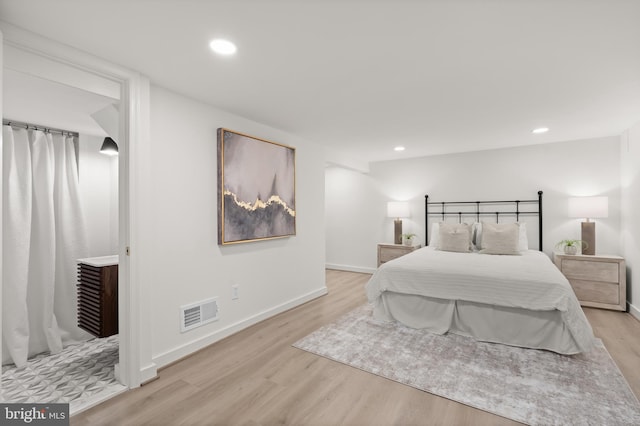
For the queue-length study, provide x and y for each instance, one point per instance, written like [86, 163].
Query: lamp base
[397, 231]
[589, 237]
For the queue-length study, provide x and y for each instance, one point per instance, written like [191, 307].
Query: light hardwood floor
[256, 377]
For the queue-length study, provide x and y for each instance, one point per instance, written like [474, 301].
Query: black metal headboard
[469, 205]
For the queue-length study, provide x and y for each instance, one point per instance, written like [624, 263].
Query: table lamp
[589, 208]
[397, 210]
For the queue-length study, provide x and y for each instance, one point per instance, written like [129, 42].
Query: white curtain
[43, 235]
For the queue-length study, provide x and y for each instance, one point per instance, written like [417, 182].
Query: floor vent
[197, 314]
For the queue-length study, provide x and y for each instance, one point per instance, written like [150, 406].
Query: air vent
[197, 314]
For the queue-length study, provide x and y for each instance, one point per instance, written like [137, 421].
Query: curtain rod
[22, 125]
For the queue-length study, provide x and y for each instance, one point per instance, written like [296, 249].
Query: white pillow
[523, 240]
[476, 234]
[434, 240]
[454, 237]
[500, 238]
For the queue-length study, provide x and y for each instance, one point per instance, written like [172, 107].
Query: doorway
[40, 117]
[23, 51]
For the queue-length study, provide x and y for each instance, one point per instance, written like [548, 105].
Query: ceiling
[40, 102]
[364, 76]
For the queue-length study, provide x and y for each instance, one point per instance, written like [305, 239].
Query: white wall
[114, 233]
[355, 219]
[180, 238]
[98, 175]
[1, 171]
[356, 203]
[630, 178]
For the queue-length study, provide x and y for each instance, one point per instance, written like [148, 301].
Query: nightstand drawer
[388, 252]
[590, 271]
[595, 291]
[387, 255]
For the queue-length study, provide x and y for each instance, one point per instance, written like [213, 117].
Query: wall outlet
[234, 292]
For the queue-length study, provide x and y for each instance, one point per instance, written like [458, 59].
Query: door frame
[76, 68]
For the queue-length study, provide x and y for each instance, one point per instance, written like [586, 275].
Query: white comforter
[529, 281]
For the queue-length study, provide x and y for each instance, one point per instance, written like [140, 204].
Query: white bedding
[529, 281]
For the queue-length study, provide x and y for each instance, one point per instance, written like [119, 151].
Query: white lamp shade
[589, 207]
[398, 209]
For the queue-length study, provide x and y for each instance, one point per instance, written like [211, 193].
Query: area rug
[530, 386]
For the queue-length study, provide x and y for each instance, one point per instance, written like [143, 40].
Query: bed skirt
[483, 322]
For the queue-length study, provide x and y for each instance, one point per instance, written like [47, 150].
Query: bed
[519, 299]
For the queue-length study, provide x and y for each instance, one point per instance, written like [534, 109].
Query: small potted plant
[571, 246]
[407, 239]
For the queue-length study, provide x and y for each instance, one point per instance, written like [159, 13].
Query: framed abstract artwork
[256, 188]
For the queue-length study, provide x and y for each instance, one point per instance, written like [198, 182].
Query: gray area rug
[530, 386]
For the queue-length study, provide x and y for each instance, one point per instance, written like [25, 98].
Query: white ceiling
[41, 102]
[363, 76]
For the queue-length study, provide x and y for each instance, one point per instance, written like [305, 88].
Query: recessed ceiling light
[222, 46]
[540, 130]
[399, 148]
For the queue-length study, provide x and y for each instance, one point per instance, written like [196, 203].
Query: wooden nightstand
[387, 252]
[598, 281]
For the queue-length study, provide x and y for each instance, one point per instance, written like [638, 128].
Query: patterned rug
[530, 386]
[78, 372]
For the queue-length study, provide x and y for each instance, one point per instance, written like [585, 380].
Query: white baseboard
[148, 373]
[188, 348]
[633, 310]
[350, 268]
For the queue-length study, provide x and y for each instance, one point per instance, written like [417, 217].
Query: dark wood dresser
[98, 295]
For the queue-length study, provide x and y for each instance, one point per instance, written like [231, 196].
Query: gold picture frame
[256, 188]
